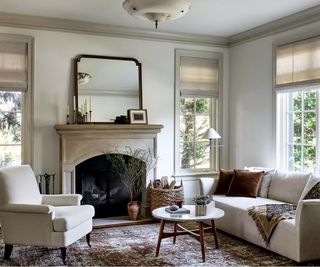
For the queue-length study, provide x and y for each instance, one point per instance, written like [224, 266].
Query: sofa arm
[62, 199]
[207, 185]
[307, 223]
[27, 208]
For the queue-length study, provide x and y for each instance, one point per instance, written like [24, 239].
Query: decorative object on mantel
[133, 173]
[201, 203]
[122, 119]
[157, 10]
[137, 116]
[44, 181]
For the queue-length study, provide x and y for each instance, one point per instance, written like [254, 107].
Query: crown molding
[74, 26]
[299, 19]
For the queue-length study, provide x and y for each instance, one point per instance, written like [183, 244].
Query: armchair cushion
[62, 199]
[71, 216]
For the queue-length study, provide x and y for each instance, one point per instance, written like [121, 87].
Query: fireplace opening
[99, 182]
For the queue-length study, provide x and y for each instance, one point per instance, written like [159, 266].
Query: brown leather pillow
[225, 177]
[245, 183]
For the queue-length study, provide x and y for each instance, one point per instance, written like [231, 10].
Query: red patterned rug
[136, 245]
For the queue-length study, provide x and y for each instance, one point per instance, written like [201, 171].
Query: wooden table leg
[175, 232]
[214, 230]
[160, 236]
[201, 232]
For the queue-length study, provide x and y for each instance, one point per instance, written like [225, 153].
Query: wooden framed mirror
[106, 87]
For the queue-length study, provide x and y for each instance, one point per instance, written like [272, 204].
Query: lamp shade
[157, 10]
[211, 134]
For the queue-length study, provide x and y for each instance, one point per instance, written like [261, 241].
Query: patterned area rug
[136, 245]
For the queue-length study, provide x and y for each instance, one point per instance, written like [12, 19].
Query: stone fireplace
[81, 142]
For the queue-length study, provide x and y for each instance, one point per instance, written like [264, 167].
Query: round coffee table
[198, 234]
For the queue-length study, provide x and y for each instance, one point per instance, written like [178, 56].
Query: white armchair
[29, 218]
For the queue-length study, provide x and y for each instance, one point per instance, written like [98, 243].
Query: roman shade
[199, 77]
[13, 66]
[298, 63]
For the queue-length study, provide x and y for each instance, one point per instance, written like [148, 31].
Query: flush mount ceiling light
[83, 78]
[157, 10]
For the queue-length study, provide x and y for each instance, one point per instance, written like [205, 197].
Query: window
[15, 100]
[297, 86]
[197, 106]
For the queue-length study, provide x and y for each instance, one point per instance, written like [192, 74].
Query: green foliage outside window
[194, 121]
[302, 137]
[10, 128]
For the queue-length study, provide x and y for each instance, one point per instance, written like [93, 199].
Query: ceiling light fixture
[83, 78]
[157, 10]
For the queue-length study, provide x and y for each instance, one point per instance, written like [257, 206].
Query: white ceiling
[209, 17]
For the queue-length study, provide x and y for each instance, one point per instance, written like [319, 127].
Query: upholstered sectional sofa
[298, 238]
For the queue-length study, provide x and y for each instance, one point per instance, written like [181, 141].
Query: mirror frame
[76, 85]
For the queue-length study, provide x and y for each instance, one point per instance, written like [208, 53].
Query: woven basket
[165, 197]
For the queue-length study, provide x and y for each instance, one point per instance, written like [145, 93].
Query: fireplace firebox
[101, 185]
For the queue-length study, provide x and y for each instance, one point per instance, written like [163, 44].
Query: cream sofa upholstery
[297, 239]
[29, 218]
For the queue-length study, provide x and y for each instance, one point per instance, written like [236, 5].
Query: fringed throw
[268, 216]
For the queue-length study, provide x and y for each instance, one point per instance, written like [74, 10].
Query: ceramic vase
[133, 210]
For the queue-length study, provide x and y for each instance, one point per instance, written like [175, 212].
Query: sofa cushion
[266, 179]
[68, 217]
[245, 183]
[225, 177]
[287, 186]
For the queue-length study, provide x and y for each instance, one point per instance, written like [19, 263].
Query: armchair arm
[307, 223]
[62, 199]
[27, 208]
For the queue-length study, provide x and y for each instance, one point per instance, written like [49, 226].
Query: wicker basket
[165, 197]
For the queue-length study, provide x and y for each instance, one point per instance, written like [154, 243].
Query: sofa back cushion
[245, 183]
[287, 186]
[18, 185]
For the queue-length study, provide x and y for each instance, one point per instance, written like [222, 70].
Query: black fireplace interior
[101, 186]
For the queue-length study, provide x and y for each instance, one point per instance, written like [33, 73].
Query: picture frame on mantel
[137, 116]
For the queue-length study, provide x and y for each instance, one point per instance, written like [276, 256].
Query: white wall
[252, 122]
[53, 86]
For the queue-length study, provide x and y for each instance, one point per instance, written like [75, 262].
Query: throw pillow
[266, 179]
[314, 192]
[225, 177]
[311, 183]
[245, 183]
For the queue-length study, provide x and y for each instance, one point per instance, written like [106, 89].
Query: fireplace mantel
[79, 142]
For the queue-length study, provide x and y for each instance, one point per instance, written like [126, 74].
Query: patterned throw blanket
[268, 216]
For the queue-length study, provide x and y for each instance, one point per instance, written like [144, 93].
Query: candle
[68, 110]
[85, 106]
[90, 105]
[74, 103]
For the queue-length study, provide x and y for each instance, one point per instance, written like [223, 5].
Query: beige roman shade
[13, 66]
[298, 63]
[198, 77]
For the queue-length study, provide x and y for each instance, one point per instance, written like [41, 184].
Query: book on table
[178, 211]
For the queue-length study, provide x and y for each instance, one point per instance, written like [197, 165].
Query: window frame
[215, 122]
[27, 111]
[280, 155]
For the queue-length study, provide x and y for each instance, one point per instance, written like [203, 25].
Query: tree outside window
[10, 128]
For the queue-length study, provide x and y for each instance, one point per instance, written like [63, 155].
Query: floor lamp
[212, 134]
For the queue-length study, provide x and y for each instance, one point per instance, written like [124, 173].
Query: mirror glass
[106, 87]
